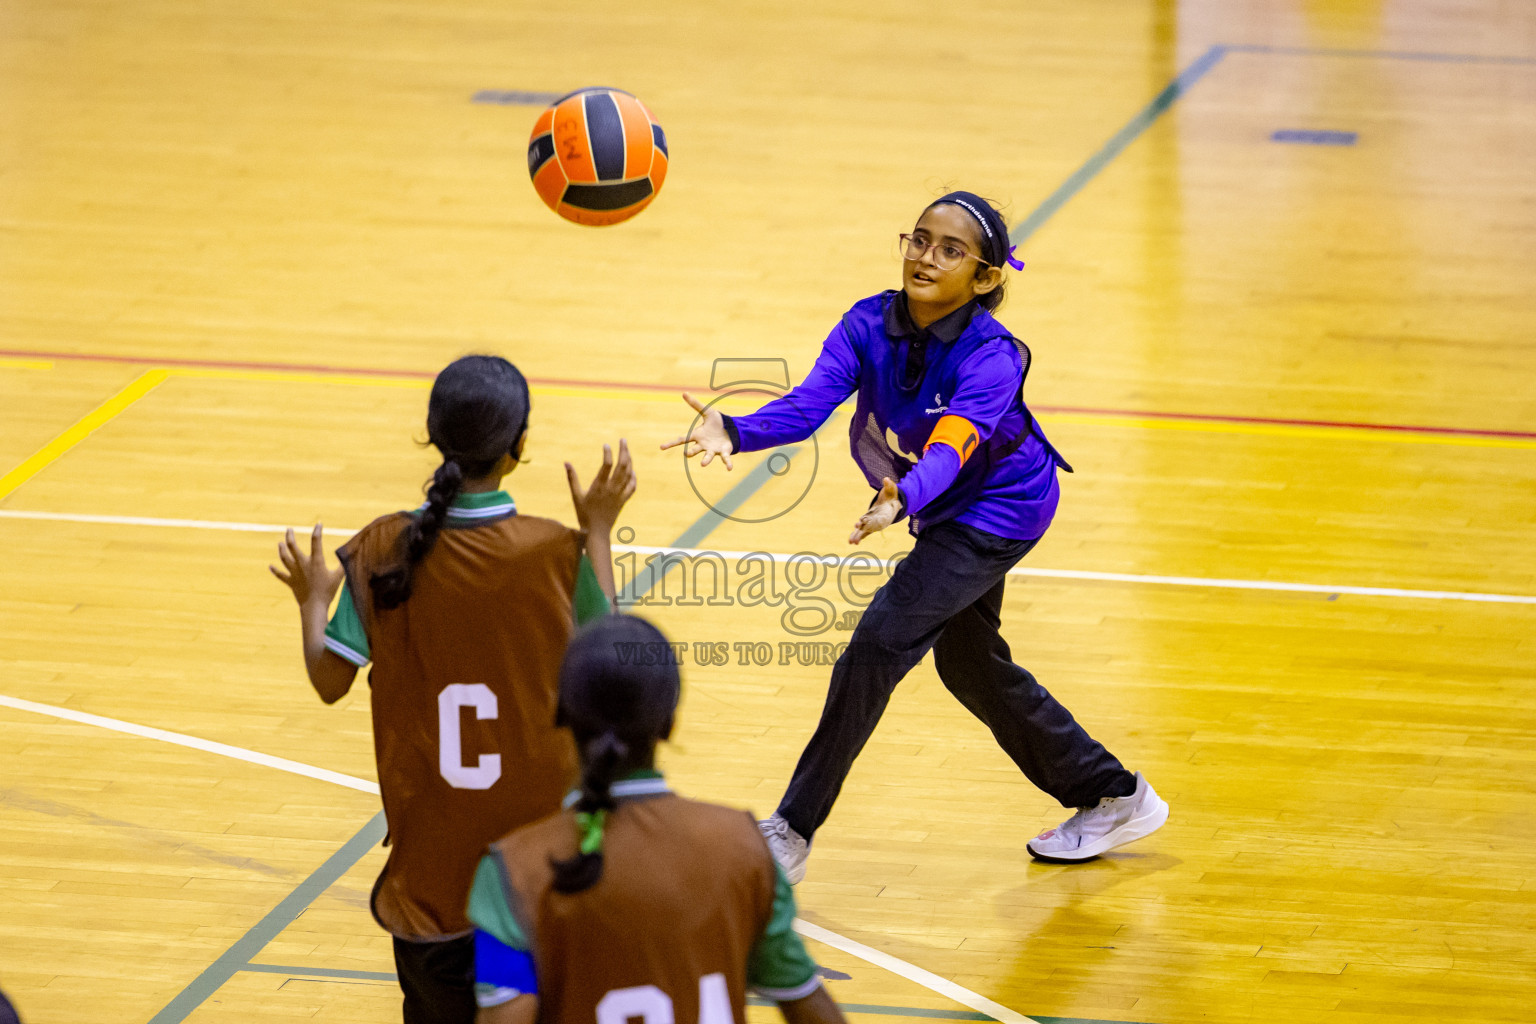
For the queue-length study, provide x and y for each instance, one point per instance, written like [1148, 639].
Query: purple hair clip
[1015, 264]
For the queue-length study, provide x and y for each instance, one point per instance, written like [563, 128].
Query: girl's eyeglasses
[945, 256]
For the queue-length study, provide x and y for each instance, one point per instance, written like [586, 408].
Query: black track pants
[946, 596]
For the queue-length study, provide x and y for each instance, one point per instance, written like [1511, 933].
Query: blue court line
[881, 1009]
[1185, 81]
[236, 957]
[1439, 58]
[515, 97]
[1314, 137]
[1117, 143]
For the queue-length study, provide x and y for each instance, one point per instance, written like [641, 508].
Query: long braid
[617, 709]
[392, 587]
[600, 761]
[476, 416]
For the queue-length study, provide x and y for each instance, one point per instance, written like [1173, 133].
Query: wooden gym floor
[236, 240]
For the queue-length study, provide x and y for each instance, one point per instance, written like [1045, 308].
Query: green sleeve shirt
[346, 638]
[490, 906]
[779, 967]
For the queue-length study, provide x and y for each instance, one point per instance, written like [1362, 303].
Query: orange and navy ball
[597, 156]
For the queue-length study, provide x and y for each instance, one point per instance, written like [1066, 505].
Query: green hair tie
[591, 825]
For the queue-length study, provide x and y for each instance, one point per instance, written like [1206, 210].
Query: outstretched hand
[308, 576]
[598, 506]
[709, 437]
[881, 514]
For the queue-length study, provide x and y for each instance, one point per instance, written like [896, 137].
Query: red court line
[1402, 428]
[215, 364]
[346, 371]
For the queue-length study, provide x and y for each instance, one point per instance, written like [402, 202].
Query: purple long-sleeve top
[1020, 493]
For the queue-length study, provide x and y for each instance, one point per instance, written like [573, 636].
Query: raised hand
[881, 514]
[709, 437]
[310, 579]
[597, 507]
[314, 584]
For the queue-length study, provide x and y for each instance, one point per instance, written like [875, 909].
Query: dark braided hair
[478, 412]
[601, 758]
[619, 687]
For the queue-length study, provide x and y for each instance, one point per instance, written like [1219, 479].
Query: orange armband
[957, 432]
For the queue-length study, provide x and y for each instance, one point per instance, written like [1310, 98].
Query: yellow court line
[26, 364]
[80, 430]
[1128, 420]
[1286, 430]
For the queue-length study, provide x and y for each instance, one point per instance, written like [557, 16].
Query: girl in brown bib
[464, 607]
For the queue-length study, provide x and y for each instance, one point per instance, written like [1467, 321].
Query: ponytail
[392, 587]
[600, 758]
[618, 709]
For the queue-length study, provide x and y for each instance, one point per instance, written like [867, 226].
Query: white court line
[282, 764]
[183, 524]
[1278, 586]
[901, 968]
[1172, 581]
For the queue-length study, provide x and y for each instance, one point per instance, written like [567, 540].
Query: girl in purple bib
[942, 432]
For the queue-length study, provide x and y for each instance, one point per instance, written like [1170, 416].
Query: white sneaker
[787, 847]
[1117, 820]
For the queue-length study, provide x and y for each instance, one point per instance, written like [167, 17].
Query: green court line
[871, 1008]
[702, 527]
[322, 972]
[269, 927]
[238, 957]
[646, 578]
[1117, 143]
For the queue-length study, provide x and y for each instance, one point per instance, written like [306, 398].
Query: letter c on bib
[450, 745]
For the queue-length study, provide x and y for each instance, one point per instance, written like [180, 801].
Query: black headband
[994, 232]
